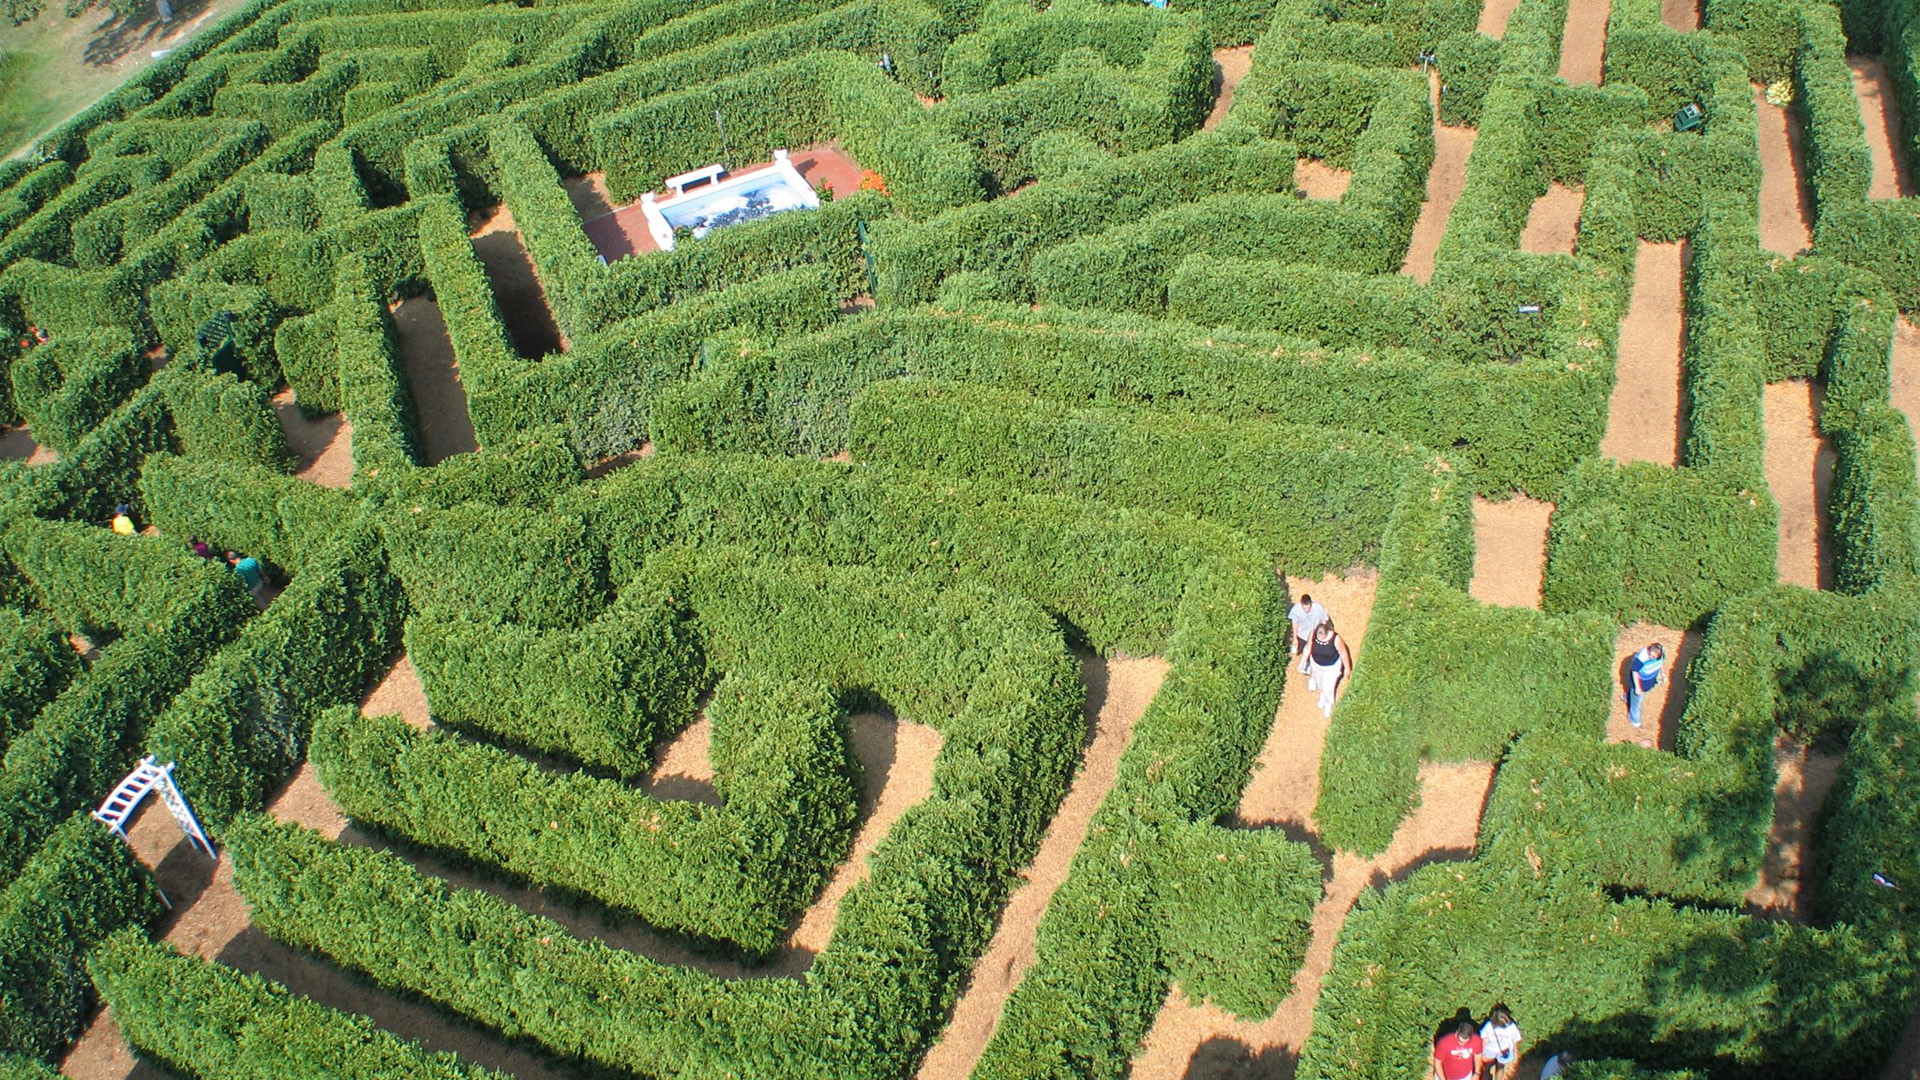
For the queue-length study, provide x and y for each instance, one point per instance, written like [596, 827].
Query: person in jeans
[1328, 661]
[1643, 674]
[1306, 617]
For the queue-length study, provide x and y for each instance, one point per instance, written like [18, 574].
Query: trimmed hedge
[1315, 501]
[1639, 541]
[68, 386]
[603, 695]
[171, 607]
[81, 886]
[166, 1004]
[36, 663]
[240, 728]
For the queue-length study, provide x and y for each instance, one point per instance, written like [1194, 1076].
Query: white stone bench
[685, 180]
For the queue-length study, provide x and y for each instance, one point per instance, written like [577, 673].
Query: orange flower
[873, 181]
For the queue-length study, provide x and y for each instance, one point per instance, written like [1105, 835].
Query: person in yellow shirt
[123, 520]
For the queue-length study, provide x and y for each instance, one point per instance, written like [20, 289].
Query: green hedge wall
[225, 418]
[1315, 501]
[81, 886]
[166, 1004]
[1639, 541]
[1519, 425]
[240, 728]
[911, 259]
[36, 663]
[679, 866]
[515, 565]
[1448, 678]
[171, 607]
[603, 695]
[373, 385]
[1009, 716]
[68, 386]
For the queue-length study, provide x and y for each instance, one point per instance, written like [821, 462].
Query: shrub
[1315, 501]
[240, 728]
[81, 886]
[36, 663]
[69, 385]
[166, 1003]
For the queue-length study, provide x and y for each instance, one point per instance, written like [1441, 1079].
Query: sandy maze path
[1660, 712]
[1118, 693]
[1493, 17]
[1445, 181]
[1681, 15]
[1880, 112]
[1905, 365]
[16, 444]
[1583, 41]
[1192, 1041]
[517, 291]
[1803, 777]
[1509, 551]
[433, 380]
[1318, 180]
[1553, 223]
[1784, 208]
[1229, 67]
[324, 446]
[1644, 414]
[1800, 474]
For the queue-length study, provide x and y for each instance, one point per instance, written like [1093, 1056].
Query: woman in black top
[1328, 662]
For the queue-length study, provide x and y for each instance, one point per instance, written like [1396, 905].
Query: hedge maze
[853, 643]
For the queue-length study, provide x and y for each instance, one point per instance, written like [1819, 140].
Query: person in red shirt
[1458, 1056]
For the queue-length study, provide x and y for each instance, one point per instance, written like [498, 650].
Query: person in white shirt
[1558, 1064]
[1501, 1036]
[1306, 616]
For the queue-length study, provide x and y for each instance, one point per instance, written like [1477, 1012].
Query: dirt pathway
[1203, 1042]
[589, 194]
[433, 378]
[1445, 181]
[1553, 224]
[1509, 551]
[1905, 365]
[1880, 111]
[1118, 693]
[323, 447]
[1229, 67]
[1660, 711]
[1784, 207]
[1644, 421]
[1194, 1041]
[1583, 42]
[1493, 17]
[1681, 15]
[516, 288]
[1800, 474]
[1318, 180]
[1803, 778]
[16, 444]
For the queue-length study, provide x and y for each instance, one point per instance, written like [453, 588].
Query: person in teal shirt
[251, 574]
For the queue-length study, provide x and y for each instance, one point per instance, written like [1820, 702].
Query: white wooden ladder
[147, 777]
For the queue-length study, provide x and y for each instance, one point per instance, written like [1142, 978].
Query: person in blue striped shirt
[1643, 674]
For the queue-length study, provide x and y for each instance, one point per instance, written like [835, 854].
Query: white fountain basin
[773, 189]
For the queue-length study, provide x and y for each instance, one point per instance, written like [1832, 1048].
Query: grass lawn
[54, 66]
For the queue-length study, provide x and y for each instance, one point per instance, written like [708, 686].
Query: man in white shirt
[1306, 616]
